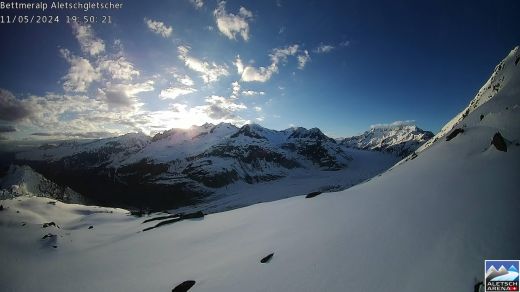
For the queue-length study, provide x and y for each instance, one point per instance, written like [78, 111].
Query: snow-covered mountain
[400, 140]
[24, 181]
[424, 226]
[202, 160]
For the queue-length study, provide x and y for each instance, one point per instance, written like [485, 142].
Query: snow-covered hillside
[398, 139]
[426, 225]
[24, 181]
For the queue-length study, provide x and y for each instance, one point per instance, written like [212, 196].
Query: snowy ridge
[24, 181]
[400, 140]
[502, 75]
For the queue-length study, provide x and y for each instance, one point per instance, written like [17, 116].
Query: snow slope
[426, 225]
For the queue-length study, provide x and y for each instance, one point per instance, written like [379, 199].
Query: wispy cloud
[252, 93]
[303, 59]
[222, 108]
[184, 80]
[124, 95]
[159, 27]
[262, 74]
[119, 68]
[235, 90]
[89, 43]
[174, 92]
[323, 48]
[197, 3]
[231, 24]
[81, 73]
[393, 125]
[344, 44]
[210, 72]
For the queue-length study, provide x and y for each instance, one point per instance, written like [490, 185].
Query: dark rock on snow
[312, 195]
[476, 288]
[499, 142]
[194, 215]
[176, 218]
[49, 235]
[267, 258]
[165, 222]
[184, 286]
[49, 224]
[454, 134]
[1, 207]
[91, 227]
[162, 218]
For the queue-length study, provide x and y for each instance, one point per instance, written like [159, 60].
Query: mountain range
[182, 167]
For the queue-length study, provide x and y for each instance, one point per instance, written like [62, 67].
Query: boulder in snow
[312, 195]
[194, 215]
[499, 142]
[49, 235]
[267, 258]
[184, 286]
[49, 224]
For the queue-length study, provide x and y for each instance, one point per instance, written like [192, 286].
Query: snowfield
[427, 224]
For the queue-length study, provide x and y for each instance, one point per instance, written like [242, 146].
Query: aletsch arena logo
[501, 275]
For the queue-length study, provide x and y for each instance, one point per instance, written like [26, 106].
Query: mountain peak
[399, 139]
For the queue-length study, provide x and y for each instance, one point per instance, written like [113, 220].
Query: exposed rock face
[454, 134]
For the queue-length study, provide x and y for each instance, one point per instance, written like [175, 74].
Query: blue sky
[341, 66]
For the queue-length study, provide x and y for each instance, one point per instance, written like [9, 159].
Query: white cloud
[258, 109]
[174, 92]
[184, 79]
[235, 86]
[123, 95]
[210, 72]
[222, 108]
[89, 43]
[262, 74]
[394, 124]
[159, 27]
[197, 3]
[240, 66]
[322, 49]
[252, 93]
[134, 88]
[81, 73]
[230, 24]
[303, 59]
[119, 68]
